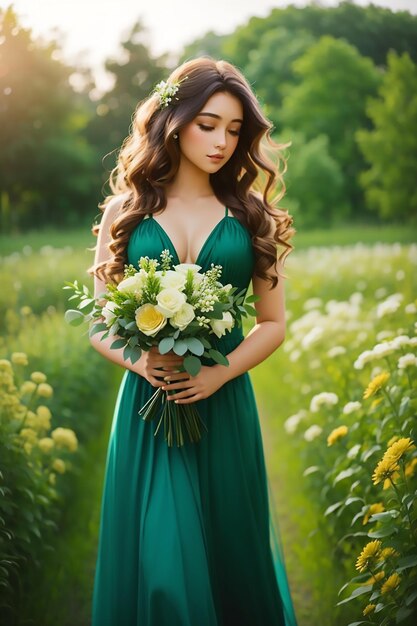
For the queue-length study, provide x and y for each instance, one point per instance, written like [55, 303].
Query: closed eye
[205, 128]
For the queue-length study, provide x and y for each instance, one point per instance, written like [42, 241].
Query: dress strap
[227, 210]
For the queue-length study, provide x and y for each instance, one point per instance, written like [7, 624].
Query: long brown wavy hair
[149, 158]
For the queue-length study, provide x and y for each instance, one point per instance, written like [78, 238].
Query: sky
[91, 30]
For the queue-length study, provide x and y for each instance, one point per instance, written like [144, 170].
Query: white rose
[108, 312]
[173, 280]
[219, 327]
[183, 317]
[184, 267]
[133, 284]
[170, 301]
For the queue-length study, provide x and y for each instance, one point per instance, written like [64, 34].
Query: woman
[184, 537]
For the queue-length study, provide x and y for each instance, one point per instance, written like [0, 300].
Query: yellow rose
[149, 320]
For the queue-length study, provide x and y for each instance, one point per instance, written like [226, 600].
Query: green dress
[188, 536]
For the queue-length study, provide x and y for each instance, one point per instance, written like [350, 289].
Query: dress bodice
[228, 244]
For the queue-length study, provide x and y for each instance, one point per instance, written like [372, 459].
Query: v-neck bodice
[228, 244]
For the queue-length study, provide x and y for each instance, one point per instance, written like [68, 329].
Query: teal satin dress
[187, 534]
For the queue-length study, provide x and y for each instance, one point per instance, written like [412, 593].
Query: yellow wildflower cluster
[387, 468]
[369, 555]
[375, 578]
[368, 609]
[336, 434]
[376, 385]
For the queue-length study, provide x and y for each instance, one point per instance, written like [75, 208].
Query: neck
[190, 182]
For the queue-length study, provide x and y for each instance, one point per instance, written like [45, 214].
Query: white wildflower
[408, 360]
[350, 407]
[336, 351]
[312, 432]
[324, 398]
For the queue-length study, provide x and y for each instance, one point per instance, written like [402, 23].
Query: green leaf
[253, 298]
[406, 562]
[192, 365]
[250, 309]
[135, 354]
[195, 345]
[119, 343]
[97, 328]
[333, 507]
[311, 470]
[87, 303]
[166, 344]
[218, 357]
[385, 531]
[384, 516]
[360, 591]
[127, 352]
[180, 347]
[74, 317]
[345, 474]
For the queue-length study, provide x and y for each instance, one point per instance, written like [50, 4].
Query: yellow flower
[44, 390]
[337, 434]
[369, 555]
[38, 377]
[376, 384]
[375, 579]
[368, 609]
[391, 441]
[384, 470]
[19, 358]
[29, 434]
[27, 446]
[378, 507]
[52, 478]
[388, 483]
[389, 552]
[149, 319]
[391, 583]
[59, 466]
[46, 444]
[410, 468]
[65, 438]
[5, 366]
[398, 448]
[27, 387]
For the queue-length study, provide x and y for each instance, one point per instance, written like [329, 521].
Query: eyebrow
[218, 117]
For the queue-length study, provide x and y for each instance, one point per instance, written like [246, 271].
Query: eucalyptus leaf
[97, 328]
[218, 357]
[252, 298]
[195, 346]
[166, 344]
[180, 347]
[74, 317]
[119, 343]
[192, 365]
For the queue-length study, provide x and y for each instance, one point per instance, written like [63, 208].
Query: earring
[175, 136]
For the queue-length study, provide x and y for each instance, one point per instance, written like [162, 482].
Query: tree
[330, 99]
[391, 146]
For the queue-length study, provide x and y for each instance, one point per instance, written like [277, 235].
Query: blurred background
[338, 81]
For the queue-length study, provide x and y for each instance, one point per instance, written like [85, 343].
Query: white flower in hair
[166, 91]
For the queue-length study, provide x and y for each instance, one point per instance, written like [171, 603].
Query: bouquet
[175, 308]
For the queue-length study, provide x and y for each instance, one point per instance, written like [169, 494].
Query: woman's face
[210, 139]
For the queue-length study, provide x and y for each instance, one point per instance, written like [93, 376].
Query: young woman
[186, 532]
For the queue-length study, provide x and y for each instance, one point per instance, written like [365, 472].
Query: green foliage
[390, 147]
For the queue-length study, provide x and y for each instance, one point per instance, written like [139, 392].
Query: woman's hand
[149, 362]
[194, 388]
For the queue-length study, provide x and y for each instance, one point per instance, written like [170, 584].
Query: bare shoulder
[111, 209]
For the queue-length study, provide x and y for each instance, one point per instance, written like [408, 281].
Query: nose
[220, 140]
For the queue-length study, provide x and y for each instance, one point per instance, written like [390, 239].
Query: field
[347, 291]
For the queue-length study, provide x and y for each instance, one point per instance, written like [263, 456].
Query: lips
[216, 156]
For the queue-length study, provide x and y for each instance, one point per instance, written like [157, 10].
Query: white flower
[413, 341]
[312, 337]
[108, 312]
[390, 305]
[133, 284]
[170, 301]
[411, 308]
[400, 341]
[184, 267]
[312, 432]
[295, 355]
[364, 357]
[173, 280]
[407, 360]
[383, 349]
[324, 398]
[353, 451]
[183, 317]
[312, 303]
[336, 351]
[292, 422]
[350, 407]
[219, 327]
